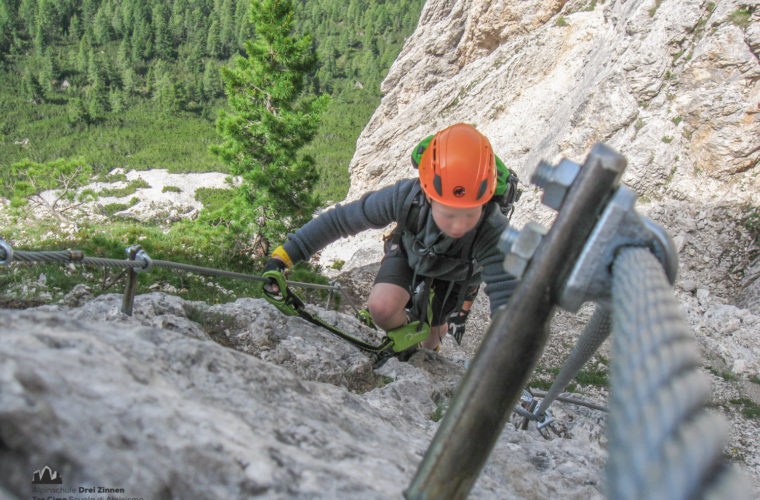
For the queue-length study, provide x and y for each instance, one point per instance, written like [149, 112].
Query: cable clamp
[6, 252]
[76, 256]
[137, 253]
[618, 226]
[544, 420]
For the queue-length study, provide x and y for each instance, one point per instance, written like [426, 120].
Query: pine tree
[94, 68]
[116, 100]
[6, 28]
[194, 60]
[27, 11]
[180, 9]
[214, 40]
[212, 82]
[48, 72]
[227, 29]
[76, 112]
[83, 54]
[33, 88]
[97, 100]
[74, 30]
[130, 80]
[102, 27]
[124, 54]
[268, 121]
[244, 24]
[161, 35]
[47, 20]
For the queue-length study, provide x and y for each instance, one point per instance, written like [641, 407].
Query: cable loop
[6, 252]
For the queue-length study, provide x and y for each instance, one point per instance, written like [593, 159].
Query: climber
[444, 245]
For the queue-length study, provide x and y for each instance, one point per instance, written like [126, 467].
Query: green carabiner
[285, 299]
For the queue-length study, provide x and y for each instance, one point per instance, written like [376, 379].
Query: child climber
[444, 244]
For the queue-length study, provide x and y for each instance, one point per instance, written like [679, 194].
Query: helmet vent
[482, 189]
[437, 185]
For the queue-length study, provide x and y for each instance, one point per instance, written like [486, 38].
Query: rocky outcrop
[673, 85]
[276, 407]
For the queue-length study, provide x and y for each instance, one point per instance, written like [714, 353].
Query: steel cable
[596, 332]
[76, 256]
[662, 442]
[572, 400]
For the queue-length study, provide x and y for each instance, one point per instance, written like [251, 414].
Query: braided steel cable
[73, 256]
[662, 442]
[571, 400]
[76, 256]
[596, 332]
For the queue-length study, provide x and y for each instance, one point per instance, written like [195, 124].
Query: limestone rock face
[153, 405]
[186, 400]
[672, 85]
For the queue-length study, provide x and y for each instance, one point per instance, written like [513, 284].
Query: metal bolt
[542, 174]
[556, 181]
[523, 248]
[507, 239]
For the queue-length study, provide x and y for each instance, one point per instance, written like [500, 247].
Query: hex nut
[507, 238]
[558, 182]
[523, 248]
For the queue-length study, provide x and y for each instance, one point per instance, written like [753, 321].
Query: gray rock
[164, 412]
[78, 295]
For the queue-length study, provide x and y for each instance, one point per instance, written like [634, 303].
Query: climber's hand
[270, 285]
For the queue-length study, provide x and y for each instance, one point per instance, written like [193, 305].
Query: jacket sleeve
[374, 210]
[500, 285]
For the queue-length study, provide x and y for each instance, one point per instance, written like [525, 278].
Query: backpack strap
[471, 259]
[415, 198]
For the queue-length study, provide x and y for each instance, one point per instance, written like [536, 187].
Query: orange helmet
[458, 168]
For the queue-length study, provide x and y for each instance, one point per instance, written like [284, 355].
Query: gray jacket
[430, 252]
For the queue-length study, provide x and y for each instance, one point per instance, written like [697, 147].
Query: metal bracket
[7, 250]
[544, 420]
[137, 253]
[619, 226]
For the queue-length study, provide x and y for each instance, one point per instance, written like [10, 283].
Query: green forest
[135, 83]
[88, 86]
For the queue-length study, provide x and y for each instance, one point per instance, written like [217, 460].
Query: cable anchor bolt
[555, 181]
[137, 253]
